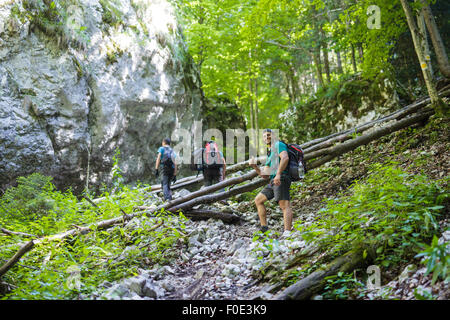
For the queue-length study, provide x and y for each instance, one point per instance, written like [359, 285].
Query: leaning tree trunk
[438, 104]
[424, 41]
[339, 63]
[345, 147]
[210, 198]
[204, 214]
[256, 113]
[438, 44]
[326, 63]
[316, 281]
[316, 57]
[355, 69]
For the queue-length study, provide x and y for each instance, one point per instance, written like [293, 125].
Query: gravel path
[221, 261]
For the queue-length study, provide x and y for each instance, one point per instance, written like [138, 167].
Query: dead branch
[11, 262]
[16, 233]
[202, 214]
[315, 282]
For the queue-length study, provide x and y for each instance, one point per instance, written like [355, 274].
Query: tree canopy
[269, 54]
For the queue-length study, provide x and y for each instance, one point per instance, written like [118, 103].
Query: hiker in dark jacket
[166, 159]
[276, 170]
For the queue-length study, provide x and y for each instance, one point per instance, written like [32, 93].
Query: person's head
[166, 142]
[267, 136]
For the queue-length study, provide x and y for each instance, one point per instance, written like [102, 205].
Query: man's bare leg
[285, 205]
[259, 202]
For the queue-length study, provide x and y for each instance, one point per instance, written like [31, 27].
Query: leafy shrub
[101, 255]
[388, 214]
[437, 259]
[29, 198]
[341, 286]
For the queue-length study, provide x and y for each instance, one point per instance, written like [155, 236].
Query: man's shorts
[280, 192]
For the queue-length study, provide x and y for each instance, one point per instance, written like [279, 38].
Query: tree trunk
[326, 62]
[210, 198]
[207, 190]
[256, 114]
[424, 41]
[361, 53]
[432, 92]
[318, 65]
[342, 136]
[436, 39]
[339, 63]
[11, 262]
[201, 214]
[355, 69]
[288, 87]
[365, 139]
[316, 281]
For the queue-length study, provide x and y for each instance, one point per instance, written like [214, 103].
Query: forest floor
[226, 261]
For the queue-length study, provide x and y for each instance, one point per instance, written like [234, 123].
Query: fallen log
[179, 184]
[346, 135]
[203, 214]
[319, 143]
[316, 281]
[192, 180]
[16, 257]
[15, 233]
[207, 190]
[210, 198]
[365, 139]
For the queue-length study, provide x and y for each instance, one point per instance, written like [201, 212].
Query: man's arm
[158, 161]
[252, 163]
[284, 161]
[175, 165]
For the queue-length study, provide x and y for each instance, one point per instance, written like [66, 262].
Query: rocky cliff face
[79, 79]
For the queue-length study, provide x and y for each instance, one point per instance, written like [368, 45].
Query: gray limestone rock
[69, 99]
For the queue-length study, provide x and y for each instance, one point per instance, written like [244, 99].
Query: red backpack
[212, 158]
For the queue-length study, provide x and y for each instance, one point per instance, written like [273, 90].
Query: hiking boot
[263, 229]
[286, 234]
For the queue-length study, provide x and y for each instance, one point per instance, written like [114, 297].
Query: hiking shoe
[286, 234]
[263, 229]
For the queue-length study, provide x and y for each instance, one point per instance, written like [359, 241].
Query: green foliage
[351, 29]
[111, 14]
[28, 200]
[318, 115]
[341, 286]
[437, 259]
[116, 171]
[388, 214]
[100, 255]
[55, 18]
[269, 53]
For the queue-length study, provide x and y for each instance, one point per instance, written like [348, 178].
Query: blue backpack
[167, 160]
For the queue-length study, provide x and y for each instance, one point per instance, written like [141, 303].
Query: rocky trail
[217, 260]
[224, 262]
[221, 261]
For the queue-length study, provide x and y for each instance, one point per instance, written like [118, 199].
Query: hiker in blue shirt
[166, 158]
[276, 170]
